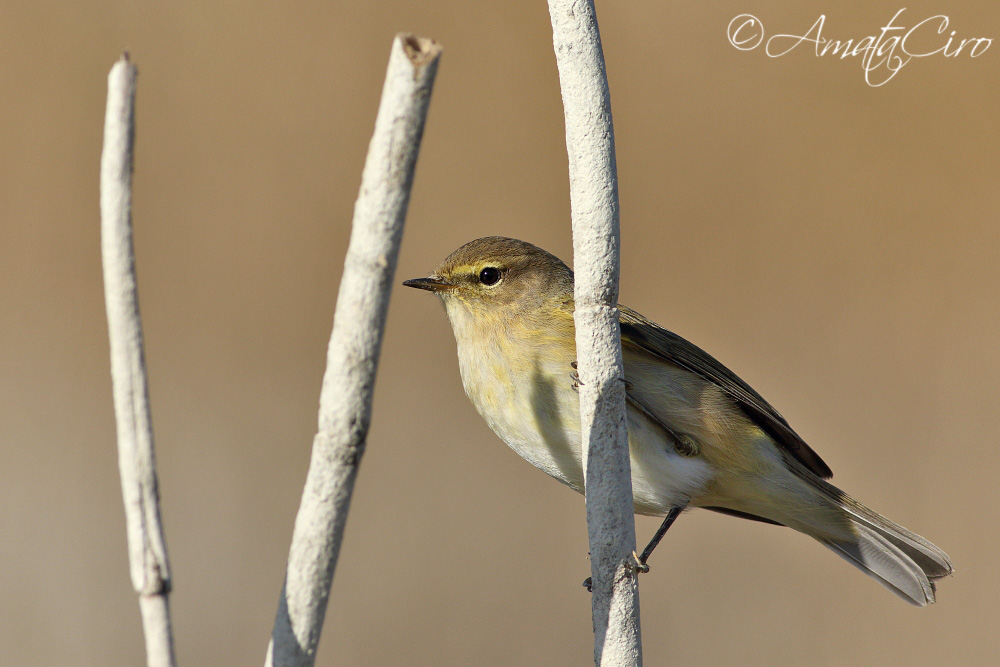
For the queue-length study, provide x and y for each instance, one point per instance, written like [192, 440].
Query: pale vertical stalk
[352, 356]
[590, 142]
[147, 549]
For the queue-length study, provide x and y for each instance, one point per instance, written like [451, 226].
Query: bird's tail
[900, 560]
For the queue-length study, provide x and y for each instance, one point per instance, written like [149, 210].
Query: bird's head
[497, 278]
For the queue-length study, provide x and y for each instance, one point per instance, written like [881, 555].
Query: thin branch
[590, 142]
[352, 357]
[148, 564]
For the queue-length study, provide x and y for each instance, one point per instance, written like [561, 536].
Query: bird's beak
[431, 284]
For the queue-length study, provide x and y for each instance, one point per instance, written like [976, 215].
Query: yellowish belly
[534, 409]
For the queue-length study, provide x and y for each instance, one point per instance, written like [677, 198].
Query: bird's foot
[640, 564]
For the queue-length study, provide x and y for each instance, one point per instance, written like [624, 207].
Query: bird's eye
[489, 276]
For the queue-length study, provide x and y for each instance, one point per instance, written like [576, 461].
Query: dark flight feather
[656, 340]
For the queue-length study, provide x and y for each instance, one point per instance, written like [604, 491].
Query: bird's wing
[654, 339]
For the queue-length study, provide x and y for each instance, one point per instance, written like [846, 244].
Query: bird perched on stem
[698, 435]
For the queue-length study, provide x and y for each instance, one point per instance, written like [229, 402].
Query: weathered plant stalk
[590, 143]
[352, 357]
[147, 548]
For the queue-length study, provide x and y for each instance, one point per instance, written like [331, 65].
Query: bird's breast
[521, 382]
[522, 387]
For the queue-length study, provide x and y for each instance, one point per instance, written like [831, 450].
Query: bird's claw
[639, 565]
[685, 445]
[588, 583]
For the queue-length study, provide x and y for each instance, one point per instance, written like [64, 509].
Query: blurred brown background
[835, 244]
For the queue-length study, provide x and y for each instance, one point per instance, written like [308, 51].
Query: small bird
[698, 435]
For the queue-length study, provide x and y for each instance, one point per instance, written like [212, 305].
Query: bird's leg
[672, 515]
[640, 561]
